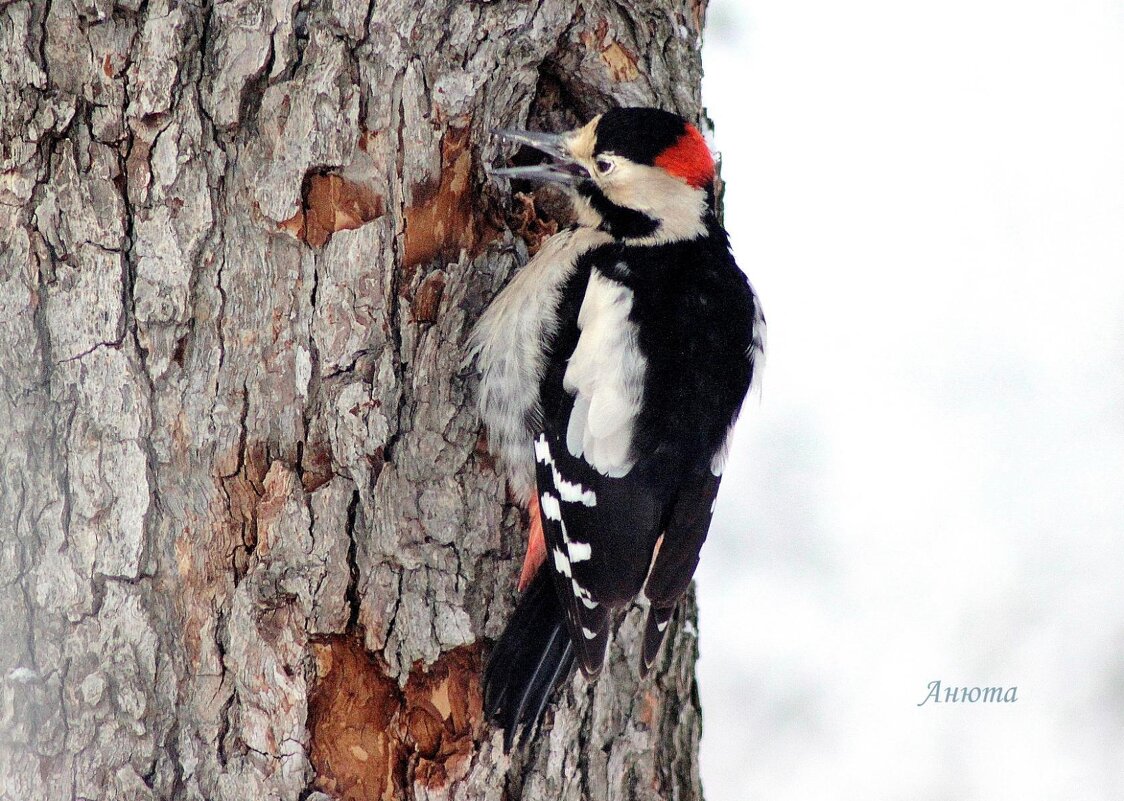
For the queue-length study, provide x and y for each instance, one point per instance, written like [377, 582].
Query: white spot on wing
[589, 635]
[583, 595]
[660, 626]
[550, 508]
[568, 491]
[579, 551]
[542, 451]
[561, 564]
[574, 493]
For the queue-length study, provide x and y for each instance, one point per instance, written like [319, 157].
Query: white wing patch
[606, 375]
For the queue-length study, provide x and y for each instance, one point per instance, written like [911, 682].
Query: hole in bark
[331, 203]
[562, 101]
[560, 104]
[442, 222]
[371, 739]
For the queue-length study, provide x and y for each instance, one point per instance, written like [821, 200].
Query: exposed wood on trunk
[250, 545]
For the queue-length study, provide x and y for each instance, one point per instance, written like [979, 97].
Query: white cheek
[616, 187]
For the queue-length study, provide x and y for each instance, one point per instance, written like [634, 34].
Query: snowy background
[929, 198]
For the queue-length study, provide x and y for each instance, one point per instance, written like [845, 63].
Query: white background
[929, 199]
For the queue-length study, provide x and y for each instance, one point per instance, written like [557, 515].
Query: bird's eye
[604, 166]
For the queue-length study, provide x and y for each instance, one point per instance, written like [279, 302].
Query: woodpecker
[612, 369]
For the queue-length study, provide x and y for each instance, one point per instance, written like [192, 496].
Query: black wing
[677, 556]
[599, 535]
[691, 315]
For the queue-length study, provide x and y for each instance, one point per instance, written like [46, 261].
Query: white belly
[508, 342]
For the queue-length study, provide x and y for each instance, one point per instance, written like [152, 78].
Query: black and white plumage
[612, 370]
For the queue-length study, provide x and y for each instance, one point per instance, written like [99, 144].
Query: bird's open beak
[562, 170]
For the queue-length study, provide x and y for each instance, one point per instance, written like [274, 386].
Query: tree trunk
[252, 544]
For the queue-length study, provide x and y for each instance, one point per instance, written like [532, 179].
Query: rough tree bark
[252, 545]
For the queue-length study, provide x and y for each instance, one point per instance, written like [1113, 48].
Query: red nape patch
[689, 158]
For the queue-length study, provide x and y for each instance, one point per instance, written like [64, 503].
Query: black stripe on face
[617, 221]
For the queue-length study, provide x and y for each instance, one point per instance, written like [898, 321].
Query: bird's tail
[532, 657]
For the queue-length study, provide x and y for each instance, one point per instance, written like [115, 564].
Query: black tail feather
[654, 630]
[532, 657]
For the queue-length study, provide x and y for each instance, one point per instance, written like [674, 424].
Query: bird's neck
[678, 217]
